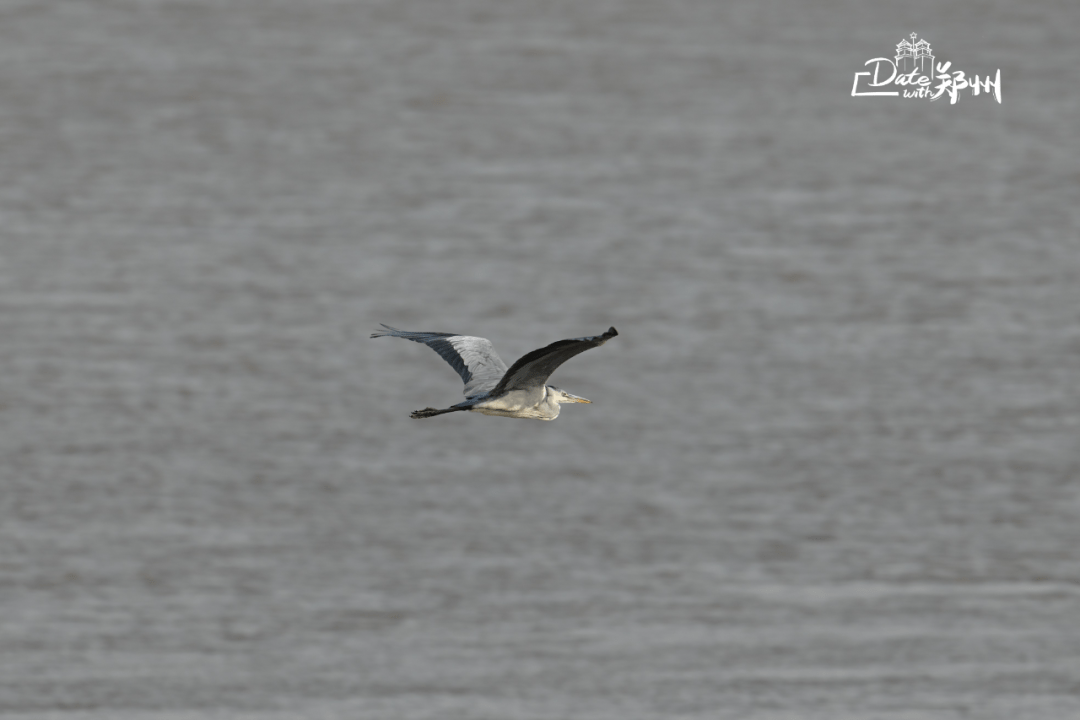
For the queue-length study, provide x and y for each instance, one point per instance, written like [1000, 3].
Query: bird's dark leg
[432, 412]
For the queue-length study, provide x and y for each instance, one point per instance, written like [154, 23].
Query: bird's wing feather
[535, 368]
[473, 358]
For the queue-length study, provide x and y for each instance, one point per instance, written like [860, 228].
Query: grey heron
[490, 388]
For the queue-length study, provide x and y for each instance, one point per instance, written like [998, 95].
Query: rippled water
[830, 469]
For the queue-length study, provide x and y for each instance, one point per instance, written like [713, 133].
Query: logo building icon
[912, 55]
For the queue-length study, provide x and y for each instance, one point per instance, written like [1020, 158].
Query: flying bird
[490, 388]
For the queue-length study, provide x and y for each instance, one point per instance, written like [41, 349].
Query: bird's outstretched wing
[533, 370]
[473, 358]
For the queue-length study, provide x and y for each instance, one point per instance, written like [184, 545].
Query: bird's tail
[432, 412]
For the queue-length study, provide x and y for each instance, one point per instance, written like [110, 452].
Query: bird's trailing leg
[432, 412]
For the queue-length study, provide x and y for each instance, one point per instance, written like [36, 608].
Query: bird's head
[561, 396]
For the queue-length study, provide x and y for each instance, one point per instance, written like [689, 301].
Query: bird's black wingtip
[611, 332]
[383, 333]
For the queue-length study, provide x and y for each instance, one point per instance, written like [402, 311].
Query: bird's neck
[548, 406]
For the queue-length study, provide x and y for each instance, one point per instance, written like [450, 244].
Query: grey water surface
[832, 465]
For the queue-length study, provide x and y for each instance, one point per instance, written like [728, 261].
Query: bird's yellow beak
[577, 399]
